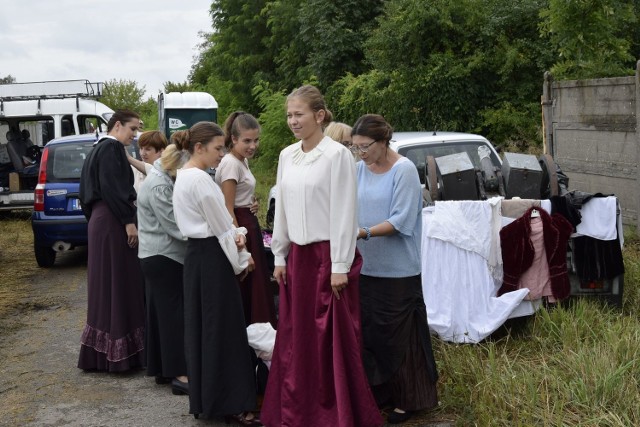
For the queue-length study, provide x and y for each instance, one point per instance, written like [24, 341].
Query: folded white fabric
[599, 218]
[465, 224]
[262, 338]
[471, 225]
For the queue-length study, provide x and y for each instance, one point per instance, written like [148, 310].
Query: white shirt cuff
[341, 267]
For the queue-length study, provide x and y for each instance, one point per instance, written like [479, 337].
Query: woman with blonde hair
[161, 251]
[316, 376]
[339, 132]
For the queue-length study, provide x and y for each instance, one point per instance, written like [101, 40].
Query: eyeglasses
[361, 148]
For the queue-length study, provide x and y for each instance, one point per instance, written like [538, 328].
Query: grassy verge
[572, 365]
[578, 365]
[265, 175]
[16, 257]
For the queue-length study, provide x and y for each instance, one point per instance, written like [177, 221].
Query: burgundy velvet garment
[113, 336]
[317, 378]
[256, 290]
[518, 251]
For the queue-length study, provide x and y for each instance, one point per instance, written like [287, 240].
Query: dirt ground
[41, 320]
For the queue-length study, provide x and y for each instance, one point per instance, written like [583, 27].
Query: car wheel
[45, 256]
[271, 212]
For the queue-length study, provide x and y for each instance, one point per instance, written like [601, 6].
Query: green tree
[333, 32]
[275, 134]
[591, 37]
[285, 44]
[149, 114]
[123, 94]
[7, 79]
[471, 65]
[177, 87]
[234, 57]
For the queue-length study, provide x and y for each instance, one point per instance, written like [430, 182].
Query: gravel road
[40, 383]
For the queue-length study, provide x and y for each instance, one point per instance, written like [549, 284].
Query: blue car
[57, 220]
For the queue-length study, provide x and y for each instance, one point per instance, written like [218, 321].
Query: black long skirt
[256, 288]
[219, 361]
[398, 357]
[113, 337]
[165, 317]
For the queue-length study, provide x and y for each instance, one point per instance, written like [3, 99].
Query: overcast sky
[147, 41]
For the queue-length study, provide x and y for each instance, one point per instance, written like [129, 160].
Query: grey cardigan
[158, 233]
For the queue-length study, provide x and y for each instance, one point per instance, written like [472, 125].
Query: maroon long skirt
[113, 337]
[316, 376]
[256, 291]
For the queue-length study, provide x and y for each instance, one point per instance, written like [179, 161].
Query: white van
[32, 114]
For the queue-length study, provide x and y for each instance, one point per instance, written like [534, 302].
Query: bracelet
[366, 230]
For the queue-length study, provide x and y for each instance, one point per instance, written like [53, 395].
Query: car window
[40, 131]
[67, 126]
[418, 154]
[89, 124]
[66, 160]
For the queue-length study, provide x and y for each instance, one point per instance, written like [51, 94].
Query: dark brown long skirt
[113, 337]
[398, 356]
[256, 288]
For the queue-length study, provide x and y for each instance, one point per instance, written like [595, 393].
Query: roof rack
[50, 90]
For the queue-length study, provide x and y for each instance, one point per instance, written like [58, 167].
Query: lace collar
[299, 157]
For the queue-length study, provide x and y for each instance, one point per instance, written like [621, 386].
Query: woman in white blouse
[316, 376]
[221, 375]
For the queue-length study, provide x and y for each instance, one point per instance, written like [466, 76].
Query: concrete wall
[590, 130]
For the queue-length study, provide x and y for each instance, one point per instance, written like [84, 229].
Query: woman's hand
[251, 266]
[241, 241]
[132, 235]
[255, 205]
[280, 274]
[339, 281]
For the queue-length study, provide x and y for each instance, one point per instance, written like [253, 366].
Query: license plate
[75, 205]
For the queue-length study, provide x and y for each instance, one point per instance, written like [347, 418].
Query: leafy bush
[275, 133]
[513, 128]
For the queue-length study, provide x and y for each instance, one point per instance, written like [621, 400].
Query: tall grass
[576, 365]
[573, 365]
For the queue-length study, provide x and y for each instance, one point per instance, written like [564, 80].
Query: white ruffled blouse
[200, 212]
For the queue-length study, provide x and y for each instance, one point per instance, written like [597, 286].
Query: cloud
[146, 41]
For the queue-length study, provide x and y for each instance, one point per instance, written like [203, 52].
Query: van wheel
[45, 256]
